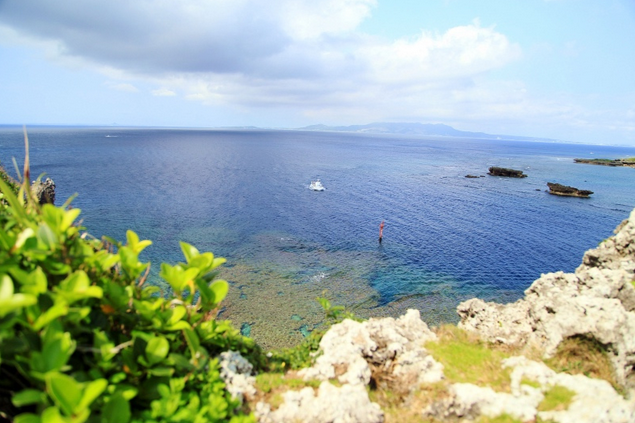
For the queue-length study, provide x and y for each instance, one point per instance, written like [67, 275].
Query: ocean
[243, 194]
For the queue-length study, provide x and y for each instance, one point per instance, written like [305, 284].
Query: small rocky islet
[567, 191]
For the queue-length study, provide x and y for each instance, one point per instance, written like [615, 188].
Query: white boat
[316, 185]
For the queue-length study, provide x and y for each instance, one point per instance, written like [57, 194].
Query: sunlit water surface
[244, 195]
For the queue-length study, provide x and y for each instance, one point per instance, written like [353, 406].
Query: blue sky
[560, 69]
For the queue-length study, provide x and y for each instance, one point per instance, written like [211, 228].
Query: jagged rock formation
[44, 191]
[594, 401]
[351, 353]
[345, 404]
[567, 191]
[501, 171]
[608, 162]
[596, 301]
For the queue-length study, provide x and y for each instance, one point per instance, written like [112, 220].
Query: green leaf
[77, 287]
[28, 397]
[69, 218]
[117, 409]
[6, 287]
[192, 340]
[22, 237]
[179, 326]
[161, 371]
[51, 314]
[92, 390]
[177, 314]
[189, 251]
[220, 289]
[65, 391]
[9, 301]
[52, 415]
[134, 244]
[27, 418]
[46, 236]
[157, 349]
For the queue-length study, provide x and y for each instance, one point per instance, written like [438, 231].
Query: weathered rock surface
[501, 171]
[596, 301]
[594, 400]
[44, 191]
[351, 353]
[236, 371]
[567, 191]
[350, 349]
[346, 404]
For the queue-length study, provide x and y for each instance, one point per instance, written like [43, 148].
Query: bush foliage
[82, 338]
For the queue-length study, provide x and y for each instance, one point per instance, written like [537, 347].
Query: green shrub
[83, 339]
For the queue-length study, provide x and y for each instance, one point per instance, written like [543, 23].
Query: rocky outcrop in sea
[567, 191]
[502, 171]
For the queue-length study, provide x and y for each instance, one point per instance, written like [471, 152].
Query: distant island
[629, 162]
[402, 128]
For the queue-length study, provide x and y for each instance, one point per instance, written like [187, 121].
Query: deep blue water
[244, 195]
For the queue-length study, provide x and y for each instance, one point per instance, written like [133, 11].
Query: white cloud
[163, 92]
[122, 86]
[303, 55]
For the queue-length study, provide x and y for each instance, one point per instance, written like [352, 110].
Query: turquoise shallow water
[244, 195]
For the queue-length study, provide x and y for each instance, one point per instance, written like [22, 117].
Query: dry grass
[581, 355]
[408, 409]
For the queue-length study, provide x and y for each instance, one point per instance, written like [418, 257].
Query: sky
[561, 69]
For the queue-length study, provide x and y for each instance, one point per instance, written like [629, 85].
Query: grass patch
[503, 418]
[557, 398]
[467, 359]
[531, 383]
[581, 355]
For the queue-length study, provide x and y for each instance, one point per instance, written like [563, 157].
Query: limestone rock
[346, 404]
[44, 191]
[597, 301]
[594, 400]
[350, 348]
[236, 372]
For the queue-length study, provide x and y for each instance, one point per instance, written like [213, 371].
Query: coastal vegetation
[83, 338]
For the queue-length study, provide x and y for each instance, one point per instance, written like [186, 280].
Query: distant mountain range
[437, 129]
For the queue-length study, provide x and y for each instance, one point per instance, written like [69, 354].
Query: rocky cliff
[358, 358]
[597, 301]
